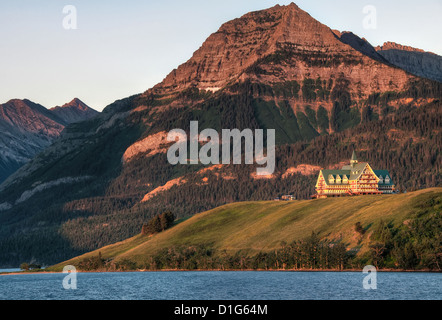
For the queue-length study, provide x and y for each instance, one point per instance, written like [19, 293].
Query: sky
[120, 48]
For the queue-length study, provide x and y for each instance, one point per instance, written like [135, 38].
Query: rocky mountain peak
[239, 43]
[227, 55]
[74, 111]
[75, 103]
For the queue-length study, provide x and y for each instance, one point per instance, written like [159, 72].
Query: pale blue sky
[125, 47]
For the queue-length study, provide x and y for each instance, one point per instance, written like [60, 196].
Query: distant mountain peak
[75, 103]
[26, 128]
[30, 116]
[74, 111]
[20, 103]
[396, 46]
[416, 61]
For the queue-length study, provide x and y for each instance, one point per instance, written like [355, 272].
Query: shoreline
[220, 270]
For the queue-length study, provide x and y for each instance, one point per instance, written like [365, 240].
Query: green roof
[335, 173]
[383, 173]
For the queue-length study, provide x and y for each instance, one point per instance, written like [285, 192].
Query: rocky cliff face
[286, 43]
[26, 128]
[416, 61]
[226, 53]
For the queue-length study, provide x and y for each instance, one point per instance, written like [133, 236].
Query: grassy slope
[261, 226]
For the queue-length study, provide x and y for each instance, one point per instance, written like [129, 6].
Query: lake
[218, 285]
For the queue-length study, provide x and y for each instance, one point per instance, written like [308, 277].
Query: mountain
[247, 235]
[74, 111]
[279, 68]
[279, 42]
[26, 128]
[416, 61]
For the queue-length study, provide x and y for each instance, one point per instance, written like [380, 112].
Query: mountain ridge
[28, 127]
[416, 61]
[389, 45]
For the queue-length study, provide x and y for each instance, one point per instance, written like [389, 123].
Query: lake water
[217, 285]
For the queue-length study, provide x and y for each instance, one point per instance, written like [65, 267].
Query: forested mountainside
[27, 128]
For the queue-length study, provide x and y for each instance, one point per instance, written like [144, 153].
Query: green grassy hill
[247, 229]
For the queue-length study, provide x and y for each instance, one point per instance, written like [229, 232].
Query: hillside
[272, 69]
[246, 229]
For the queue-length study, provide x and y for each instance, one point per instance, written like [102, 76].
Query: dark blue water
[216, 285]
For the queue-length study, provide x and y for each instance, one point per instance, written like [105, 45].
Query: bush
[359, 229]
[24, 266]
[158, 223]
